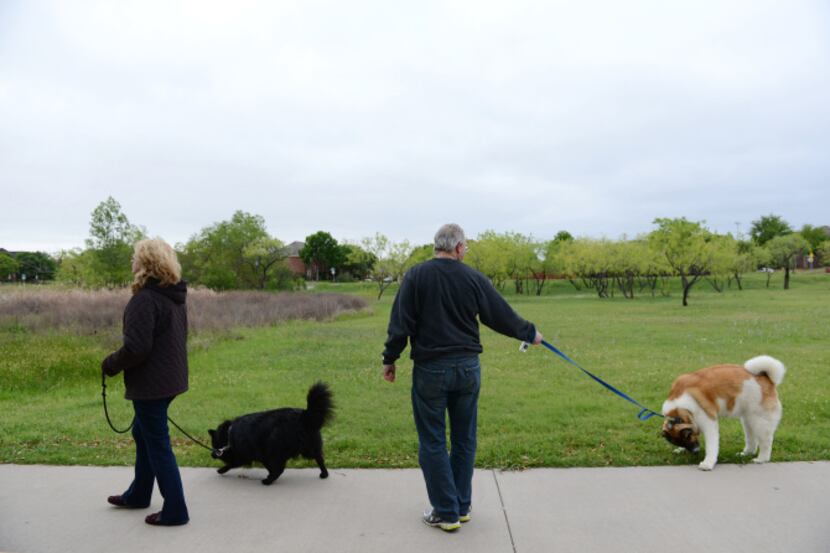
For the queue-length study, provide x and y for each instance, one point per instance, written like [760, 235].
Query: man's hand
[389, 372]
[538, 339]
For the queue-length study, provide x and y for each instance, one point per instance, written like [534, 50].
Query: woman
[154, 361]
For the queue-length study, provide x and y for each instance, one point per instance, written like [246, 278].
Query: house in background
[293, 260]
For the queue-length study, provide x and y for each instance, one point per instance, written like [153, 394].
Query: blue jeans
[155, 461]
[447, 385]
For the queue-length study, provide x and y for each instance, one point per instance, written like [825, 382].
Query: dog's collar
[221, 451]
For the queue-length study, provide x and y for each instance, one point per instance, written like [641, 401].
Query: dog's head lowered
[679, 428]
[219, 438]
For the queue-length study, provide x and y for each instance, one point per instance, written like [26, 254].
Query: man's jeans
[155, 461]
[448, 384]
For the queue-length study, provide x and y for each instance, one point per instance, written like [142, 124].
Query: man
[436, 309]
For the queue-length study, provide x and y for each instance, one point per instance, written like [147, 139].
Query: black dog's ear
[212, 433]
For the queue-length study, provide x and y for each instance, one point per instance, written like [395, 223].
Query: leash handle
[645, 412]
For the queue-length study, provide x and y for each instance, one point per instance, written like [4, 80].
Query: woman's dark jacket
[154, 354]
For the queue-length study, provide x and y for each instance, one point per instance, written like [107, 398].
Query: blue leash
[644, 414]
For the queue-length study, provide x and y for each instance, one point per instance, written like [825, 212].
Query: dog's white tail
[764, 364]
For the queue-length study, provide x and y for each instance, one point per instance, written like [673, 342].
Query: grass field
[535, 410]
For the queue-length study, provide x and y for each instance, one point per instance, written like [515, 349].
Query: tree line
[239, 253]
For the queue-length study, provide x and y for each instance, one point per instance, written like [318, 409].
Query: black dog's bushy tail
[320, 407]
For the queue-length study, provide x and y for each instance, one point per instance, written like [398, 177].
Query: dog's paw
[223, 470]
[267, 481]
[704, 465]
[760, 461]
[324, 474]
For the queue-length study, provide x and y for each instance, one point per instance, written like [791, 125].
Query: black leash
[194, 440]
[106, 413]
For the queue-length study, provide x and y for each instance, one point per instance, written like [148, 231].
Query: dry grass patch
[100, 311]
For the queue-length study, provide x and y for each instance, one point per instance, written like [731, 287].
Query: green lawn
[535, 410]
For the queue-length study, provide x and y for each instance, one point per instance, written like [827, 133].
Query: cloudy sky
[360, 117]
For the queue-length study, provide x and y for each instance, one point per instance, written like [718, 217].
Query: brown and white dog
[748, 392]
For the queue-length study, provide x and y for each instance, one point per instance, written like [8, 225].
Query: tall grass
[220, 311]
[92, 312]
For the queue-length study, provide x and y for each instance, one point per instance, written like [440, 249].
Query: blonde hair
[155, 259]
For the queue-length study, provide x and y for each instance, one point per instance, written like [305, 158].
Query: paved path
[775, 508]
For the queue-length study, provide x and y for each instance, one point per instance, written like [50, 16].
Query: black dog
[274, 437]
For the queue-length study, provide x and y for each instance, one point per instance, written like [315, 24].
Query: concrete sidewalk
[775, 508]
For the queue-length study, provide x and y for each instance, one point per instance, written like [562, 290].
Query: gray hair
[448, 237]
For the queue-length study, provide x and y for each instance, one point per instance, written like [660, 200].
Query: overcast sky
[360, 117]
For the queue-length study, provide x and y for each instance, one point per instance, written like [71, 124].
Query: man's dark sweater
[436, 308]
[154, 354]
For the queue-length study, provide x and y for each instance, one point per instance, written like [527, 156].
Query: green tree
[814, 235]
[111, 238]
[562, 236]
[547, 263]
[520, 258]
[36, 265]
[224, 255]
[77, 267]
[357, 262]
[591, 261]
[322, 252]
[768, 227]
[686, 247]
[8, 266]
[747, 258]
[419, 255]
[655, 269]
[559, 255]
[823, 252]
[488, 254]
[264, 260]
[392, 260]
[629, 261]
[724, 251]
[783, 250]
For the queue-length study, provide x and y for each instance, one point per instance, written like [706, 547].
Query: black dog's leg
[274, 471]
[323, 472]
[227, 467]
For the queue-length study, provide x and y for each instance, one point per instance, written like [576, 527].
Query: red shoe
[118, 501]
[155, 520]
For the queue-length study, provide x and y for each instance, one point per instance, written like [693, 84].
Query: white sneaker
[431, 519]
